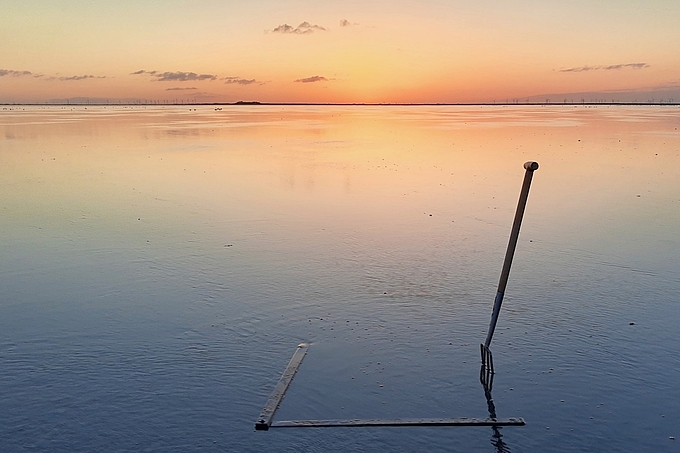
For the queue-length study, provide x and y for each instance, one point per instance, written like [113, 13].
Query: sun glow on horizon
[411, 52]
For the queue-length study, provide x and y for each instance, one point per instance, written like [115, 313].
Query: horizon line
[349, 104]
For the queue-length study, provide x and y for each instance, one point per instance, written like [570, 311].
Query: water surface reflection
[160, 263]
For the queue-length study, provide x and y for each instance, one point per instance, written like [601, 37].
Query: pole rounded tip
[531, 165]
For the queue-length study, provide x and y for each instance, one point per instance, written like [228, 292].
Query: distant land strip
[349, 104]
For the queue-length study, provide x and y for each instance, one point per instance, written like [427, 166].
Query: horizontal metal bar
[463, 421]
[267, 414]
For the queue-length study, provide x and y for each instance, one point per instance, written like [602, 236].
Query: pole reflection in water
[486, 378]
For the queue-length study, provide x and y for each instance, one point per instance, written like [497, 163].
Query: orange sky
[337, 51]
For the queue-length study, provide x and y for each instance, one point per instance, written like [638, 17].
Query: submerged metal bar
[515, 421]
[530, 167]
[267, 414]
[487, 359]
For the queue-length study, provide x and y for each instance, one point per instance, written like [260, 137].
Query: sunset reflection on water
[189, 249]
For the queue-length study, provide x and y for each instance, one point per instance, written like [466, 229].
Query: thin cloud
[581, 69]
[177, 76]
[240, 81]
[180, 89]
[13, 73]
[606, 68]
[76, 78]
[312, 79]
[629, 65]
[182, 76]
[304, 28]
[346, 23]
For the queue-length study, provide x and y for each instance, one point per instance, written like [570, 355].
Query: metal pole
[512, 244]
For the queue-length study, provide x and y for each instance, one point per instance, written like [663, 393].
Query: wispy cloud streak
[177, 76]
[606, 68]
[76, 78]
[312, 79]
[240, 81]
[304, 28]
[13, 73]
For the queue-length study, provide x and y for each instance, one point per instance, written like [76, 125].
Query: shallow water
[161, 264]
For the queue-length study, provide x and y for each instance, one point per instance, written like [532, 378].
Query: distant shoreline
[354, 104]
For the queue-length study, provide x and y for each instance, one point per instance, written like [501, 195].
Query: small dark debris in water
[228, 245]
[671, 437]
[430, 215]
[631, 323]
[639, 196]
[385, 292]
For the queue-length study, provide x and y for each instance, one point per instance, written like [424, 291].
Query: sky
[339, 51]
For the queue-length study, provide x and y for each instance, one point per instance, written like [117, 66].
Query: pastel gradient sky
[348, 51]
